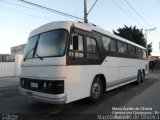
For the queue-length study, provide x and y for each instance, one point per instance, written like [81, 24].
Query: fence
[10, 71]
[7, 69]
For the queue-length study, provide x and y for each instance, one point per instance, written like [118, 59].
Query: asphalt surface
[133, 98]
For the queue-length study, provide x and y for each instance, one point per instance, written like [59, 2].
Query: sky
[18, 19]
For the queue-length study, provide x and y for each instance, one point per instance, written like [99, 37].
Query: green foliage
[132, 33]
[149, 48]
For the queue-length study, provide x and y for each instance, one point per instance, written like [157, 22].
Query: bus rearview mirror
[75, 42]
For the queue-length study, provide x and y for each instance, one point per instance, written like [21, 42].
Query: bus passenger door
[76, 69]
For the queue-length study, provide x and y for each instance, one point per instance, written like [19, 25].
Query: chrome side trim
[121, 81]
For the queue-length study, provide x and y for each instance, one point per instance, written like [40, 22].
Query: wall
[11, 68]
[10, 72]
[7, 69]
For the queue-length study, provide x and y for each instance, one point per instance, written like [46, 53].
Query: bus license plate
[35, 85]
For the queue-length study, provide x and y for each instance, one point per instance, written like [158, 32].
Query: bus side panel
[119, 70]
[128, 69]
[79, 81]
[80, 77]
[110, 70]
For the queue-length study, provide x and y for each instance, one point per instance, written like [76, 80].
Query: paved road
[144, 96]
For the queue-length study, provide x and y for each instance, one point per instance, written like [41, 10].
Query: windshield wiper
[39, 56]
[28, 54]
[35, 53]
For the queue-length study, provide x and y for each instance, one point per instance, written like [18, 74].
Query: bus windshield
[48, 44]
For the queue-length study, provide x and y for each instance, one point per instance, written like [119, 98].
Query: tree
[132, 33]
[149, 48]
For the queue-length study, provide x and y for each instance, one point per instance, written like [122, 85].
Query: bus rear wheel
[143, 76]
[139, 77]
[96, 90]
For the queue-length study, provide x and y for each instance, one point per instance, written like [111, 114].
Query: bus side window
[109, 44]
[125, 48]
[79, 53]
[131, 50]
[120, 47]
[138, 52]
[144, 54]
[92, 51]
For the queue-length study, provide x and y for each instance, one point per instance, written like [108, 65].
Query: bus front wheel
[96, 90]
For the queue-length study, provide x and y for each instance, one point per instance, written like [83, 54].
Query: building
[17, 50]
[4, 57]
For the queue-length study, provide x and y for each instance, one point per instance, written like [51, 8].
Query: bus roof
[87, 27]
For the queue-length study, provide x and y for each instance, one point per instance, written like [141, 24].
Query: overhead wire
[140, 16]
[92, 7]
[49, 9]
[10, 10]
[136, 18]
[68, 15]
[15, 4]
[124, 11]
[5, 9]
[42, 8]
[137, 13]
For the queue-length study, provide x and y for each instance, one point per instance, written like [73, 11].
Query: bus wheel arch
[98, 85]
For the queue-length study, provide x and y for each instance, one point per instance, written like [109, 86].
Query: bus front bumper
[49, 98]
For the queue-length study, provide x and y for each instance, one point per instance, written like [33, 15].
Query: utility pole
[85, 12]
[159, 47]
[148, 30]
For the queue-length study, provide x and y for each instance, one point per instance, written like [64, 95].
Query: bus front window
[29, 50]
[48, 44]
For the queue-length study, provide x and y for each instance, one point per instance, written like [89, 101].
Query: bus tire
[96, 90]
[139, 77]
[143, 76]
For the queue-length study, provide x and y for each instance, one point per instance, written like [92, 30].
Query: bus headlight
[55, 87]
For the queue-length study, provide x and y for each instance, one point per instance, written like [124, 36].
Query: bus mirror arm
[75, 42]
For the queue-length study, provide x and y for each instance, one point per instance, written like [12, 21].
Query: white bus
[66, 61]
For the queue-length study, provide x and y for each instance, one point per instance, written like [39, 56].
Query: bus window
[29, 50]
[92, 51]
[144, 54]
[131, 49]
[122, 47]
[125, 48]
[109, 44]
[52, 43]
[138, 52]
[79, 53]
